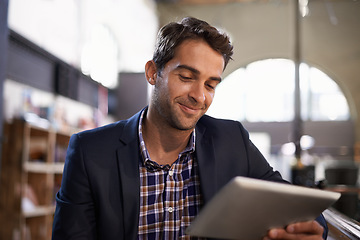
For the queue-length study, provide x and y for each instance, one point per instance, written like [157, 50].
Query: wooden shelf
[32, 165]
[39, 167]
[39, 211]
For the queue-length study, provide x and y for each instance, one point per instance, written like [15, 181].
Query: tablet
[245, 209]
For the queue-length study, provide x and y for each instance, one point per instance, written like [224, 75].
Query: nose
[197, 94]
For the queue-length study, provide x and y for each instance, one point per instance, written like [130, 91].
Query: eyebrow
[195, 71]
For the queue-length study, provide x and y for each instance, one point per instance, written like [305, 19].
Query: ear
[151, 72]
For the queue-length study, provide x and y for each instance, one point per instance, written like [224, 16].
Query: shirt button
[170, 209]
[171, 173]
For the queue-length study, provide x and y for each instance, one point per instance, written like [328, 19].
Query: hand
[310, 230]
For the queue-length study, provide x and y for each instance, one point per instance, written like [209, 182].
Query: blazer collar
[130, 127]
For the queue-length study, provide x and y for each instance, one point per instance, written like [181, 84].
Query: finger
[310, 227]
[303, 230]
[280, 234]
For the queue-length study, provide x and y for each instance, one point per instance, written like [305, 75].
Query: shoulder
[109, 131]
[112, 132]
[106, 130]
[221, 130]
[221, 125]
[95, 139]
[206, 119]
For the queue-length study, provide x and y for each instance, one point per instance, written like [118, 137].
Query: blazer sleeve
[75, 212]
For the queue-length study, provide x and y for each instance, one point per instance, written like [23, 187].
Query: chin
[185, 127]
[184, 122]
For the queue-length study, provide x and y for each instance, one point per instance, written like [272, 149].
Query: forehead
[199, 55]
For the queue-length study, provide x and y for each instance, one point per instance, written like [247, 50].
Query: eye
[212, 87]
[184, 77]
[211, 84]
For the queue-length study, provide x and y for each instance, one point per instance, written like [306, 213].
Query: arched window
[263, 91]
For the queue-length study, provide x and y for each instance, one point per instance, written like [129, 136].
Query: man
[147, 177]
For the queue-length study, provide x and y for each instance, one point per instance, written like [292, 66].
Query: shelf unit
[32, 164]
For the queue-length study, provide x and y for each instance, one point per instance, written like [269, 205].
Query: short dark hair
[173, 34]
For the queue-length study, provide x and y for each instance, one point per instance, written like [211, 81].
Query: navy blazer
[100, 192]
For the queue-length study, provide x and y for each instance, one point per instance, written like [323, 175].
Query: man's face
[186, 87]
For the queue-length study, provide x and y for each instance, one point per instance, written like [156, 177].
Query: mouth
[190, 109]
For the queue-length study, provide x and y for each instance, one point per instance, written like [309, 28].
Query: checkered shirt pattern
[169, 195]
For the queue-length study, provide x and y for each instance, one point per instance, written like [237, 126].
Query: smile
[189, 110]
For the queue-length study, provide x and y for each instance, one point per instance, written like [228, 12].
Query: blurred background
[71, 65]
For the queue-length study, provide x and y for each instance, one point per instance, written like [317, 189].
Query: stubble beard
[169, 115]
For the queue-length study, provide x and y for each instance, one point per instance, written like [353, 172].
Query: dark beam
[34, 66]
[3, 60]
[297, 128]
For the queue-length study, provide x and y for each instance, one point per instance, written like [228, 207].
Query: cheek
[209, 98]
[162, 86]
[177, 89]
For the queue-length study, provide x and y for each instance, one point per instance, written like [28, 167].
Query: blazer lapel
[205, 155]
[128, 156]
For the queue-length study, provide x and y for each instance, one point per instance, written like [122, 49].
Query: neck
[163, 142]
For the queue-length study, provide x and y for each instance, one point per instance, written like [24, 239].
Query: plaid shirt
[169, 195]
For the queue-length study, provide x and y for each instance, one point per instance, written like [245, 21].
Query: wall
[132, 94]
[264, 29]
